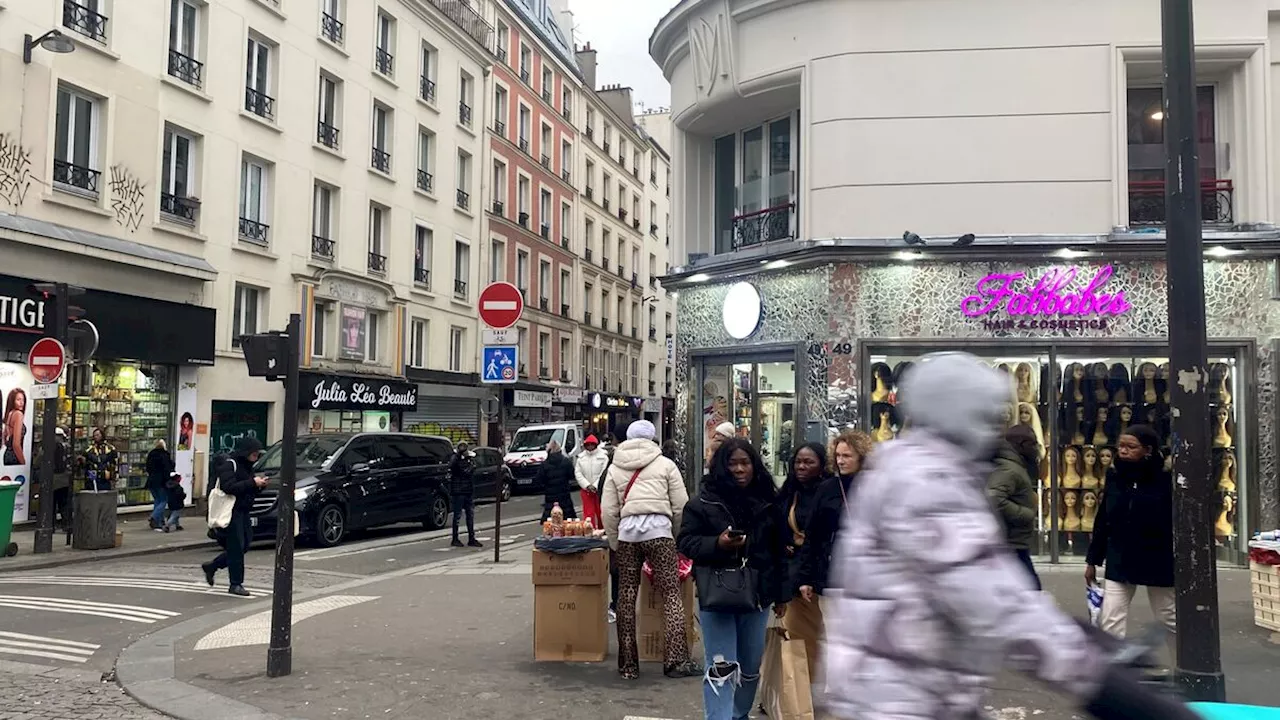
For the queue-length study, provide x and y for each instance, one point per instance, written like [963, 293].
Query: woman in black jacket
[734, 521]
[798, 503]
[557, 481]
[1133, 532]
[849, 452]
[159, 466]
[235, 477]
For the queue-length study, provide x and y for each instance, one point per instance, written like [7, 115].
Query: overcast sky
[619, 32]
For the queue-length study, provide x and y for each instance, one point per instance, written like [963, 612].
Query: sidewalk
[139, 539]
[454, 640]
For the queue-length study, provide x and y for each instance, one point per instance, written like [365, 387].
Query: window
[418, 343]
[331, 25]
[566, 288]
[497, 261]
[653, 218]
[522, 273]
[588, 364]
[323, 206]
[548, 84]
[177, 176]
[384, 50]
[544, 146]
[635, 260]
[526, 63]
[461, 267]
[75, 148]
[522, 192]
[544, 354]
[374, 337]
[329, 105]
[456, 335]
[320, 328]
[253, 200]
[653, 328]
[499, 187]
[586, 299]
[426, 160]
[591, 122]
[635, 375]
[754, 176]
[566, 359]
[522, 342]
[258, 69]
[1146, 158]
[566, 159]
[635, 163]
[503, 41]
[544, 212]
[244, 316]
[464, 180]
[622, 249]
[382, 132]
[606, 238]
[524, 129]
[544, 284]
[566, 213]
[608, 137]
[184, 36]
[466, 85]
[588, 236]
[427, 89]
[422, 248]
[377, 238]
[566, 101]
[500, 111]
[591, 176]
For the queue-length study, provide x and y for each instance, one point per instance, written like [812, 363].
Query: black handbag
[727, 590]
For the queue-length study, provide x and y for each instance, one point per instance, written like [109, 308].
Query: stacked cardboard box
[651, 637]
[570, 597]
[1265, 581]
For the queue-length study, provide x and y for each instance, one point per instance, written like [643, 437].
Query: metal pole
[497, 506]
[73, 374]
[1199, 662]
[49, 435]
[280, 652]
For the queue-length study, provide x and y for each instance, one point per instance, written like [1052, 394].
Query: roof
[540, 16]
[42, 228]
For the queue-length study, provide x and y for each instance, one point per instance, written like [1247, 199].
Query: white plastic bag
[1093, 597]
[220, 505]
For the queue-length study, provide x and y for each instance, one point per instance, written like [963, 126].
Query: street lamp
[53, 41]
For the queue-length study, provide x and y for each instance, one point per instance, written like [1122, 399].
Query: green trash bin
[8, 495]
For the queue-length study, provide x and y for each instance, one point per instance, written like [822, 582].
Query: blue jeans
[160, 503]
[733, 645]
[464, 504]
[175, 519]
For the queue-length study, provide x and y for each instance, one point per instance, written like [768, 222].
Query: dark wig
[721, 480]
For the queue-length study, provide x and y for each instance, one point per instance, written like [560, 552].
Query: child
[177, 498]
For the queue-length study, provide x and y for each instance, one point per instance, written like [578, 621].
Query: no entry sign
[47, 360]
[500, 305]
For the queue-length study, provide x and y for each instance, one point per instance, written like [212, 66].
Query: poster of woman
[15, 432]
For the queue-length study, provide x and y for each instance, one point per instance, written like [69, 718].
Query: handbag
[220, 505]
[728, 590]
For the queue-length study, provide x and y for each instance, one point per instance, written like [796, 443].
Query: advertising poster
[16, 433]
[352, 335]
[716, 393]
[184, 456]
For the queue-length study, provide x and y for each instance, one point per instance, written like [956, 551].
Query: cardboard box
[588, 568]
[650, 622]
[569, 623]
[1265, 582]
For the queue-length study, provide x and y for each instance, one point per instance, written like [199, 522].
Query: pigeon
[911, 238]
[965, 240]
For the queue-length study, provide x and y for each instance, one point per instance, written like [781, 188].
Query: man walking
[235, 477]
[462, 490]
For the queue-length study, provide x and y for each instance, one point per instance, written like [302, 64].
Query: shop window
[418, 343]
[320, 329]
[456, 344]
[245, 316]
[759, 399]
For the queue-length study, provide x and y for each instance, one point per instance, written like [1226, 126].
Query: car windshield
[312, 452]
[533, 440]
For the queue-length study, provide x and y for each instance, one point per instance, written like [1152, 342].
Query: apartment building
[206, 169]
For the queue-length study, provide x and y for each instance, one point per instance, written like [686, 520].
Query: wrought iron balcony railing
[332, 28]
[377, 263]
[327, 135]
[179, 208]
[322, 247]
[254, 231]
[464, 199]
[422, 277]
[1147, 202]
[259, 103]
[764, 226]
[76, 176]
[188, 70]
[426, 181]
[380, 160]
[384, 61]
[461, 13]
[464, 114]
[88, 23]
[427, 88]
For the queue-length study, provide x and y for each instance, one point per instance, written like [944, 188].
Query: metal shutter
[455, 418]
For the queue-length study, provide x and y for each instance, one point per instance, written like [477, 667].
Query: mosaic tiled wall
[846, 303]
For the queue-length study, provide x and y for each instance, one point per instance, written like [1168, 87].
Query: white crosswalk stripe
[194, 586]
[12, 643]
[130, 613]
[256, 629]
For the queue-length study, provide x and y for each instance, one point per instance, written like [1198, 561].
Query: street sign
[500, 337]
[500, 305]
[498, 364]
[44, 391]
[47, 359]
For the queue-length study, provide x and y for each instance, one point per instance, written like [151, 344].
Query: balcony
[546, 95]
[635, 334]
[1147, 202]
[179, 209]
[460, 13]
[499, 208]
[422, 277]
[464, 200]
[427, 89]
[620, 332]
[621, 272]
[622, 160]
[254, 231]
[501, 55]
[524, 75]
[464, 114]
[500, 128]
[259, 103]
[653, 280]
[589, 192]
[668, 390]
[546, 161]
[331, 28]
[543, 304]
[635, 223]
[604, 203]
[622, 214]
[653, 229]
[604, 323]
[564, 376]
[653, 336]
[322, 247]
[567, 112]
[377, 263]
[426, 181]
[653, 386]
[384, 61]
[586, 254]
[764, 226]
[460, 288]
[544, 372]
[564, 310]
[84, 21]
[635, 279]
[188, 70]
[606, 147]
[76, 178]
[327, 135]
[591, 132]
[653, 178]
[380, 160]
[586, 318]
[567, 177]
[523, 371]
[523, 144]
[545, 231]
[564, 242]
[523, 219]
[604, 263]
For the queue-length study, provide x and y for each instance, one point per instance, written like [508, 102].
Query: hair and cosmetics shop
[332, 403]
[797, 355]
[139, 388]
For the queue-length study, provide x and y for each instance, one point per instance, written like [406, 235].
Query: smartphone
[735, 534]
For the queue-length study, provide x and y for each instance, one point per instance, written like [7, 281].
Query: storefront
[449, 405]
[566, 404]
[527, 407]
[232, 421]
[798, 355]
[139, 388]
[604, 413]
[353, 403]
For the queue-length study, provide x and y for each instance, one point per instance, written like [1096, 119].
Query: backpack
[221, 504]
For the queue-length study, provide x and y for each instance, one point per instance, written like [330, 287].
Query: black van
[352, 481]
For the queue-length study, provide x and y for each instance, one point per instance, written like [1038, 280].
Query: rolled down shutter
[455, 418]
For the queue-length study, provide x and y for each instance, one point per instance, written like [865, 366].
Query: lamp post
[53, 41]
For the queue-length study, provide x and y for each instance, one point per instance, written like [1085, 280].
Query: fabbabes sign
[334, 392]
[1060, 299]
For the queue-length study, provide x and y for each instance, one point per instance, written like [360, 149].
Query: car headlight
[301, 494]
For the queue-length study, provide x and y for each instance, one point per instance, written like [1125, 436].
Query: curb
[72, 557]
[147, 669]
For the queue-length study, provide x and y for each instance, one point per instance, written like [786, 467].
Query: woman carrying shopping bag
[798, 505]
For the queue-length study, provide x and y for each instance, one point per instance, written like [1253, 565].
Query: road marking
[12, 643]
[256, 629]
[131, 613]
[368, 546]
[196, 586]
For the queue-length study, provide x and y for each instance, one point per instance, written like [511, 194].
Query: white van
[528, 450]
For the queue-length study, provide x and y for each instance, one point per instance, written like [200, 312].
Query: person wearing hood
[1133, 532]
[462, 493]
[930, 603]
[588, 470]
[642, 500]
[556, 478]
[235, 477]
[724, 431]
[1013, 495]
[798, 503]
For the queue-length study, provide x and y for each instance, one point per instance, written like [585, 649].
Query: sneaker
[238, 590]
[157, 528]
[613, 616]
[686, 669]
[166, 529]
[179, 528]
[456, 543]
[209, 572]
[475, 543]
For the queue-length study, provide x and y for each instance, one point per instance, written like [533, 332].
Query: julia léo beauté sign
[1054, 302]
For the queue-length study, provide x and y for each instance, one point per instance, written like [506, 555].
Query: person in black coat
[235, 477]
[159, 465]
[462, 491]
[1133, 532]
[557, 480]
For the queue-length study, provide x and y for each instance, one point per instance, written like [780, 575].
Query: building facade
[1025, 153]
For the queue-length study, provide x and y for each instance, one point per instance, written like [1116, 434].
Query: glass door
[759, 400]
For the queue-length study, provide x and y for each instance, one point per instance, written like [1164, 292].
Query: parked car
[528, 450]
[353, 481]
[491, 473]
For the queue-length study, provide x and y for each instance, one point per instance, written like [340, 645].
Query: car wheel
[506, 489]
[331, 526]
[438, 517]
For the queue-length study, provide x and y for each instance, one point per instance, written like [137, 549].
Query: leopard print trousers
[661, 554]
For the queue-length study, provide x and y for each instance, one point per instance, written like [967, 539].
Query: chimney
[587, 64]
[618, 98]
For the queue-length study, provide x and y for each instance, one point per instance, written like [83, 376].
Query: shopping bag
[220, 506]
[785, 689]
[1093, 596]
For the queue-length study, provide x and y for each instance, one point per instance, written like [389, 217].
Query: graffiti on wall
[456, 434]
[15, 171]
[127, 197]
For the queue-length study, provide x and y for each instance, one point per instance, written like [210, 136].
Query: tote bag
[220, 505]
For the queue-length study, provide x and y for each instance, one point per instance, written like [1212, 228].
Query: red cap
[591, 440]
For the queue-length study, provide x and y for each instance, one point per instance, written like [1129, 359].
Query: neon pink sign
[1054, 296]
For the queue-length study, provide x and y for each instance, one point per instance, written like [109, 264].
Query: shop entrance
[1078, 399]
[759, 398]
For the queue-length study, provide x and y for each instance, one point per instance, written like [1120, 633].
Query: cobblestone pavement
[36, 692]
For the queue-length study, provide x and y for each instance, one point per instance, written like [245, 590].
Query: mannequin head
[1025, 413]
[1023, 373]
[1071, 458]
[1003, 367]
[1220, 373]
[1147, 371]
[1098, 371]
[1079, 413]
[1090, 501]
[1101, 414]
[1077, 372]
[900, 370]
[1119, 374]
[1106, 458]
[882, 374]
[1070, 499]
[1090, 458]
[1126, 414]
[882, 414]
[1162, 372]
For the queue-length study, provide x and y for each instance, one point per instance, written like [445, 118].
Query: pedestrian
[177, 498]
[462, 491]
[100, 460]
[589, 470]
[671, 451]
[61, 477]
[234, 476]
[798, 503]
[1013, 494]
[556, 478]
[848, 455]
[732, 527]
[1133, 533]
[159, 466]
[724, 431]
[642, 502]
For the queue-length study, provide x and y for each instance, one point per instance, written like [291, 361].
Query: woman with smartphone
[733, 532]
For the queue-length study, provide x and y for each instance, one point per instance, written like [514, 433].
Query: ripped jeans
[733, 645]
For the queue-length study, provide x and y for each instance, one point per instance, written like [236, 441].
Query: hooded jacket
[928, 602]
[556, 475]
[658, 489]
[589, 467]
[1133, 532]
[820, 535]
[1013, 496]
[462, 474]
[235, 475]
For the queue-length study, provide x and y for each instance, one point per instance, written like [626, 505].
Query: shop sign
[530, 399]
[614, 402]
[336, 392]
[353, 332]
[21, 314]
[651, 405]
[1056, 301]
[568, 396]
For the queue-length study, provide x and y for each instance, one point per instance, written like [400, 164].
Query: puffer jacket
[1013, 497]
[658, 489]
[926, 603]
[589, 467]
[709, 514]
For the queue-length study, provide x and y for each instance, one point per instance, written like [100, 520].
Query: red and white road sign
[500, 305]
[47, 360]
